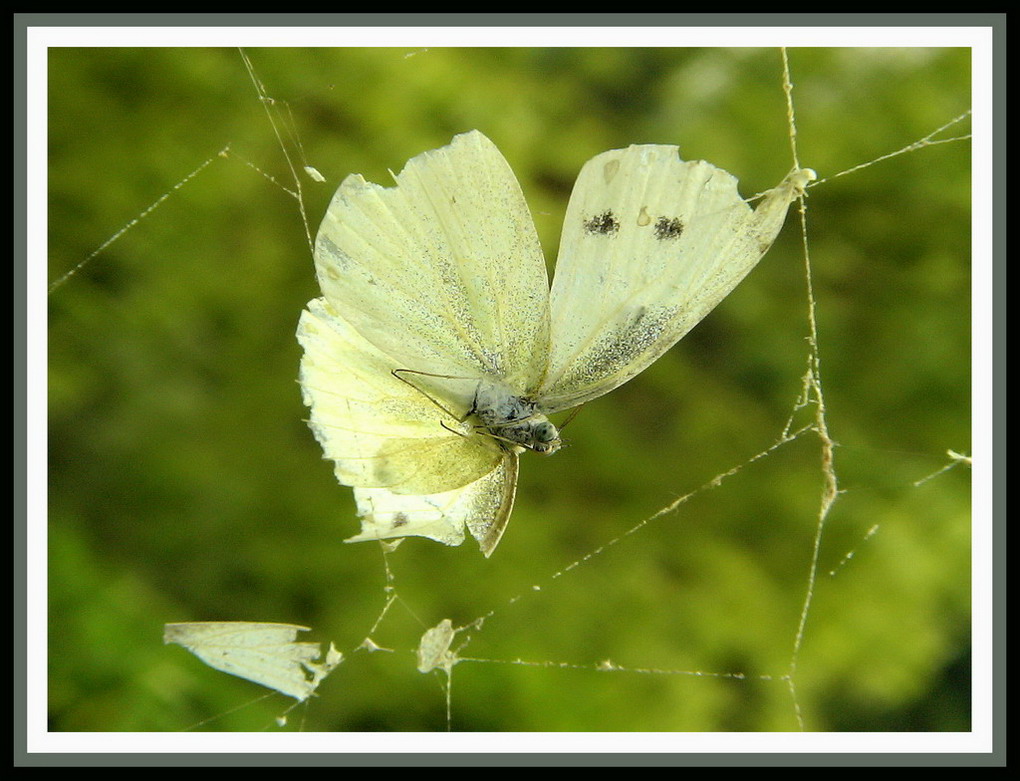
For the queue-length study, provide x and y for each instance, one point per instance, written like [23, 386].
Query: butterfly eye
[545, 438]
[545, 432]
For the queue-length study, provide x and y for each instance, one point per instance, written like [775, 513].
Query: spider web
[765, 531]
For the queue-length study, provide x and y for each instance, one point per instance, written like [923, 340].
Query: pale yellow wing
[650, 245]
[264, 653]
[482, 506]
[442, 272]
[381, 432]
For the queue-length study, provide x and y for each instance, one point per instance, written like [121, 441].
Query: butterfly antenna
[570, 417]
[398, 374]
[453, 430]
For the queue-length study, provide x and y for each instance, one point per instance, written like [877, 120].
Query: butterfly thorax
[514, 421]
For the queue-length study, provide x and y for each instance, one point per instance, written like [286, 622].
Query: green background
[184, 485]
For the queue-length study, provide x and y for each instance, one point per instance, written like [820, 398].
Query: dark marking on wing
[617, 349]
[605, 223]
[668, 228]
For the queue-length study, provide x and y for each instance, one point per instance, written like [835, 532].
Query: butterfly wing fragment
[265, 653]
[434, 647]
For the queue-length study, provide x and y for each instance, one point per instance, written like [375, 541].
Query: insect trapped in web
[438, 350]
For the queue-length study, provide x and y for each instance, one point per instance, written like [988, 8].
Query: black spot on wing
[668, 228]
[605, 223]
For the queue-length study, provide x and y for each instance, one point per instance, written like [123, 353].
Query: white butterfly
[437, 349]
[264, 653]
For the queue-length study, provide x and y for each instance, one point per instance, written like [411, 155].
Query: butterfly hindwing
[379, 431]
[482, 506]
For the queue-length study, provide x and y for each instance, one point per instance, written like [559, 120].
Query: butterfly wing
[264, 653]
[650, 245]
[482, 506]
[381, 432]
[444, 272]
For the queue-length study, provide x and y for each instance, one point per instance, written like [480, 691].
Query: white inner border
[41, 38]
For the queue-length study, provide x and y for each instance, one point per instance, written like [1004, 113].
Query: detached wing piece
[650, 245]
[267, 654]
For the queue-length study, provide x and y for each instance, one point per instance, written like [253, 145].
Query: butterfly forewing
[442, 272]
[650, 245]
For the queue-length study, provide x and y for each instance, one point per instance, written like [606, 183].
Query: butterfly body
[514, 420]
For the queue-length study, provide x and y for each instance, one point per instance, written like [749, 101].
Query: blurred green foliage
[184, 484]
